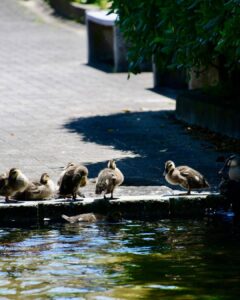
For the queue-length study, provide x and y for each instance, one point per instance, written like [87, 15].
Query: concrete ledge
[102, 17]
[132, 207]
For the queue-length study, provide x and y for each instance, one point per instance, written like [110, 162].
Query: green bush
[182, 34]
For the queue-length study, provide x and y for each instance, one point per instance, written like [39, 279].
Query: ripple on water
[134, 260]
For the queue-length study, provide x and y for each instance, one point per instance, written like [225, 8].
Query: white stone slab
[101, 17]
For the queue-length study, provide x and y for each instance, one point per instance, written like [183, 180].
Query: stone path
[55, 109]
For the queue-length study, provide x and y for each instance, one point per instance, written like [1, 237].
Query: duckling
[108, 179]
[13, 183]
[92, 217]
[70, 164]
[74, 177]
[184, 176]
[44, 189]
[229, 186]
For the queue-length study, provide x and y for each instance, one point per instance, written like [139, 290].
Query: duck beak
[164, 173]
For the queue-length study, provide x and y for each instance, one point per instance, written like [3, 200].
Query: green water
[132, 260]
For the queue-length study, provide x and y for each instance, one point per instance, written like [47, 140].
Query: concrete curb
[132, 207]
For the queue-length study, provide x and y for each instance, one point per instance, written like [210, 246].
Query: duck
[229, 186]
[231, 169]
[184, 176]
[72, 178]
[44, 189]
[70, 164]
[93, 217]
[108, 179]
[12, 183]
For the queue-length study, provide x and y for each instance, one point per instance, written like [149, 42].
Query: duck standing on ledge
[108, 179]
[12, 183]
[72, 178]
[44, 189]
[184, 176]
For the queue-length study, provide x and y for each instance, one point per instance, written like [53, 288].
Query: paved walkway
[55, 109]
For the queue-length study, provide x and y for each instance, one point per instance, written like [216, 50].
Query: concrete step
[132, 207]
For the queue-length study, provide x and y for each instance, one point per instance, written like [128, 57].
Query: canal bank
[131, 207]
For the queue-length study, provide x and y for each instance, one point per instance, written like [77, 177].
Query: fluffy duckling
[13, 183]
[184, 176]
[70, 164]
[73, 177]
[44, 189]
[231, 168]
[108, 179]
[92, 217]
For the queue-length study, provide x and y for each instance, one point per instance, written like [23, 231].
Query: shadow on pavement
[152, 136]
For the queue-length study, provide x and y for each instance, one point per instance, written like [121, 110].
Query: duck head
[169, 165]
[112, 164]
[14, 173]
[44, 178]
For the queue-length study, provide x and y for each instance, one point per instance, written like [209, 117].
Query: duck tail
[207, 185]
[66, 218]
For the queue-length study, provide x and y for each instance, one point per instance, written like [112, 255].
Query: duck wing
[119, 176]
[67, 183]
[194, 178]
[106, 179]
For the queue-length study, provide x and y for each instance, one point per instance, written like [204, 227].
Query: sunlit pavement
[55, 109]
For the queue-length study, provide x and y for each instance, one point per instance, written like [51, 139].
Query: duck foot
[107, 198]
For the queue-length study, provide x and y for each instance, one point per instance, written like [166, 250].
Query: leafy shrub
[182, 34]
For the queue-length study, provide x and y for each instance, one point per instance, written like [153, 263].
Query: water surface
[131, 260]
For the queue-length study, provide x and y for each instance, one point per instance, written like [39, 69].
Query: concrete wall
[149, 207]
[197, 110]
[169, 79]
[205, 78]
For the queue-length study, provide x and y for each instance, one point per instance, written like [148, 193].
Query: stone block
[105, 42]
[19, 213]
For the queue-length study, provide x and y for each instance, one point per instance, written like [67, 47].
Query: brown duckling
[13, 183]
[73, 177]
[108, 179]
[184, 176]
[70, 164]
[93, 217]
[44, 189]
